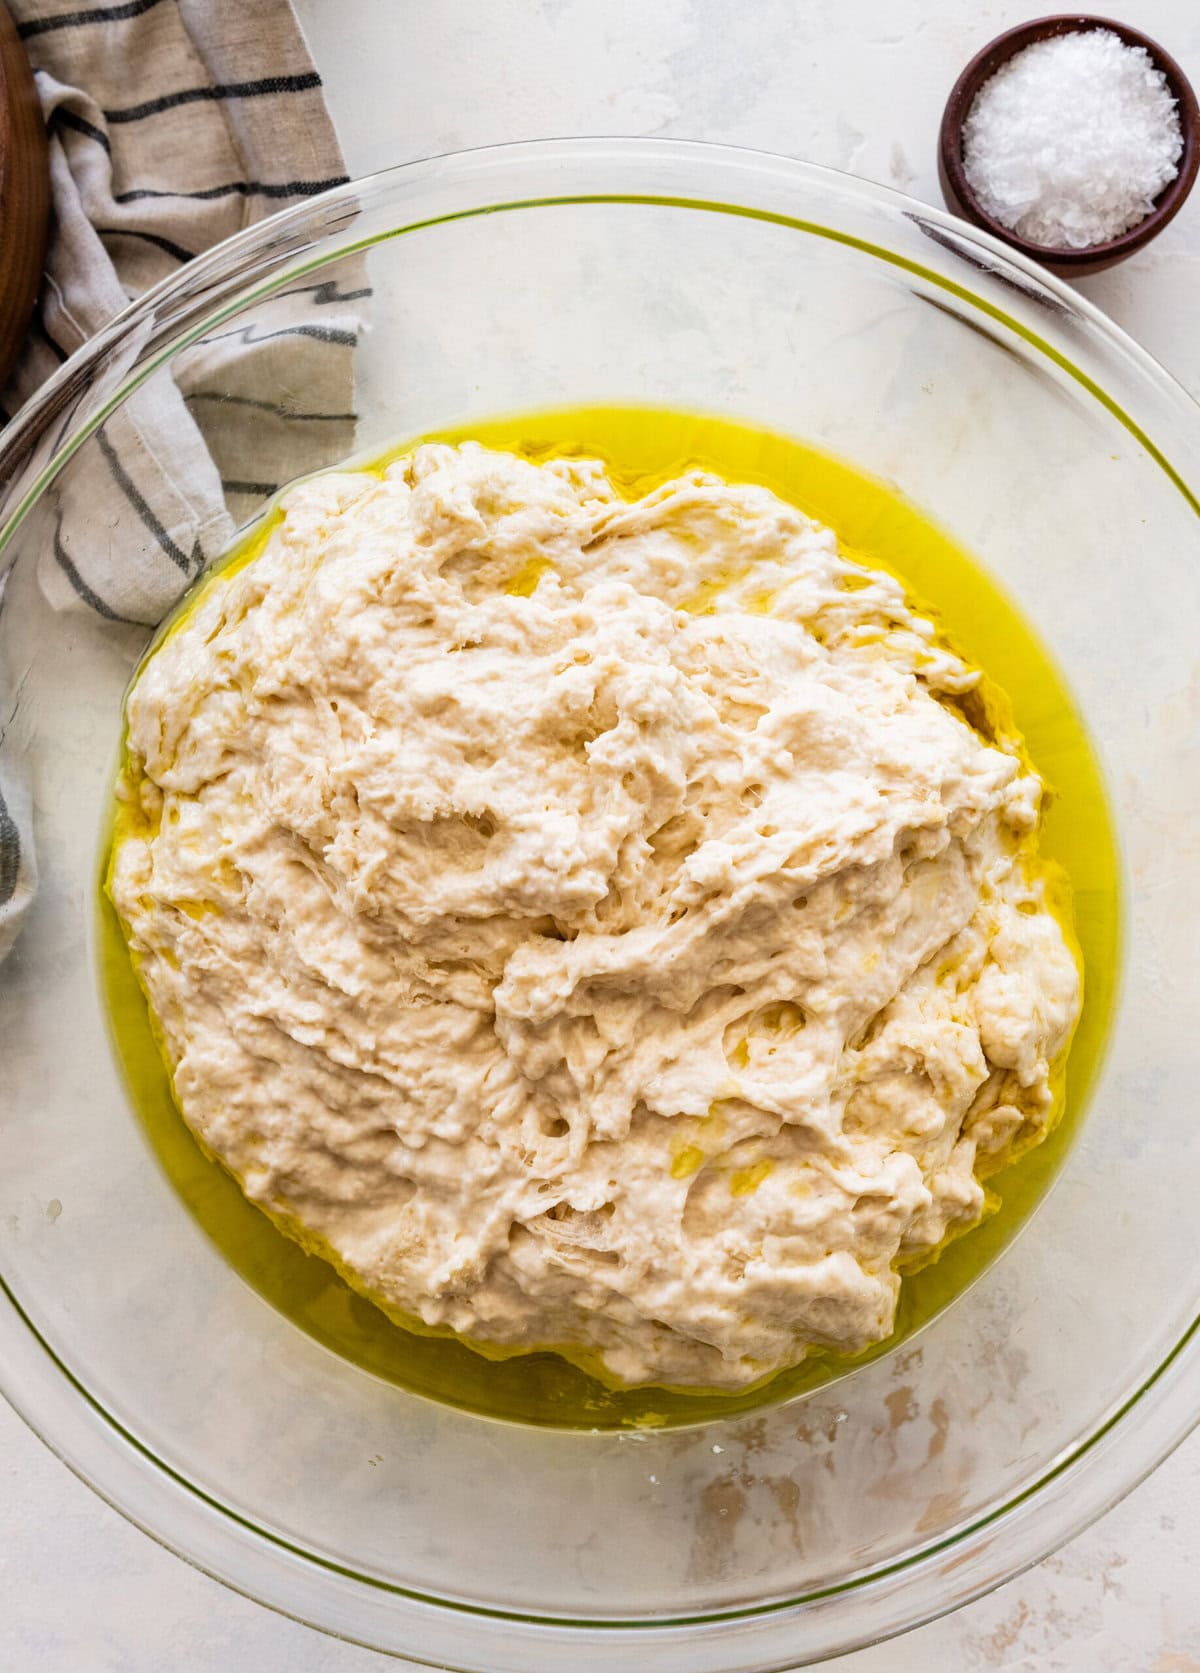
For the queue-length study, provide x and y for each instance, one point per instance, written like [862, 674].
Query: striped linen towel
[172, 125]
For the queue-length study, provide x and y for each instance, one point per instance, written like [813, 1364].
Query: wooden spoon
[24, 193]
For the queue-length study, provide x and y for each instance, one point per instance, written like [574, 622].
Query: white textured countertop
[857, 84]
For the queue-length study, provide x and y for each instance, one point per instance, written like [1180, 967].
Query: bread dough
[592, 924]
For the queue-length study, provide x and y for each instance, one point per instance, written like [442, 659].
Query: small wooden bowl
[957, 190]
[24, 193]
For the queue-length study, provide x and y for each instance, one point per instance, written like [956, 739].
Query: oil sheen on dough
[593, 924]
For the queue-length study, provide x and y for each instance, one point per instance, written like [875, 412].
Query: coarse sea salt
[1070, 142]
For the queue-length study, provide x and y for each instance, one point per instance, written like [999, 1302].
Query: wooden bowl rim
[997, 53]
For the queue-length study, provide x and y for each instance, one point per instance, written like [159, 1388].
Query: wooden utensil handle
[24, 193]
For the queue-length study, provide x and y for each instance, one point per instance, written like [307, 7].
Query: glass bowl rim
[1172, 1389]
[229, 261]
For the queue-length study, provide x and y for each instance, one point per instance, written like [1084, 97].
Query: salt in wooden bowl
[956, 188]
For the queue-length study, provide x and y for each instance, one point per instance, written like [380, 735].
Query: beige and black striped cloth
[172, 125]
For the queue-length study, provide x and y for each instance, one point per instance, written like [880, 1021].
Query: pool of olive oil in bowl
[642, 447]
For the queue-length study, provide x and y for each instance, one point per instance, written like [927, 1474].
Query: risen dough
[593, 924]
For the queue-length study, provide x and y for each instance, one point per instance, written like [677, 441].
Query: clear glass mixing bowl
[819, 306]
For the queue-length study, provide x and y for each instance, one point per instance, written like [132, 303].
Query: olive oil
[643, 447]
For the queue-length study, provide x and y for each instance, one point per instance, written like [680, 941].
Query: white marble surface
[858, 84]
